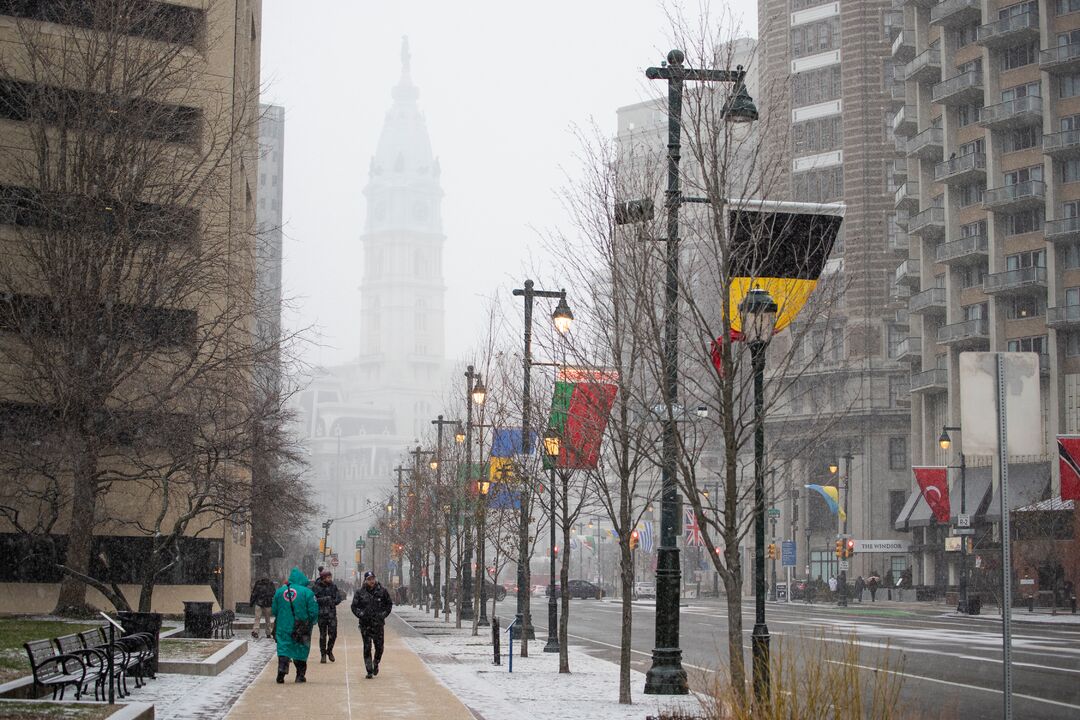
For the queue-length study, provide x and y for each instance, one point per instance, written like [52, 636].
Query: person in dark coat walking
[329, 597]
[262, 597]
[872, 583]
[860, 585]
[372, 605]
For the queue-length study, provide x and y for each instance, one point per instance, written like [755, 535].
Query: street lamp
[478, 392]
[459, 434]
[758, 311]
[436, 464]
[833, 469]
[552, 442]
[945, 442]
[563, 319]
[667, 675]
[474, 394]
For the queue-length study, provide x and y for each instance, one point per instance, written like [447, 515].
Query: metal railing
[1063, 315]
[1060, 54]
[933, 217]
[1061, 228]
[1014, 279]
[1007, 25]
[931, 297]
[930, 58]
[911, 346]
[1010, 109]
[976, 329]
[943, 10]
[960, 164]
[1064, 140]
[929, 379]
[1017, 192]
[970, 245]
[970, 80]
[929, 136]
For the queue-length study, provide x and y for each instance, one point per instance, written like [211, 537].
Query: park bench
[125, 660]
[54, 670]
[95, 661]
[221, 624]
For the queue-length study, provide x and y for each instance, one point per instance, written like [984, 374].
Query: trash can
[974, 605]
[198, 618]
[140, 622]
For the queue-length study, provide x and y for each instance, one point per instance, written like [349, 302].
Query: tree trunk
[733, 588]
[626, 575]
[564, 593]
[437, 577]
[523, 571]
[80, 537]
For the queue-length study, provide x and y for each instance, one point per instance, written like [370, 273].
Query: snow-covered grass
[535, 690]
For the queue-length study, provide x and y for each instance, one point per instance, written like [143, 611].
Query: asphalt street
[951, 665]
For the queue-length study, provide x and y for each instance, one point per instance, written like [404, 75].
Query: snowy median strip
[535, 690]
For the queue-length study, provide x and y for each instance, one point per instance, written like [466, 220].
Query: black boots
[322, 658]
[330, 654]
[282, 669]
[301, 671]
[370, 670]
[375, 669]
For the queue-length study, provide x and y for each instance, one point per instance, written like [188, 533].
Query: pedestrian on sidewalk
[328, 596]
[872, 583]
[890, 582]
[372, 605]
[295, 613]
[860, 585]
[262, 597]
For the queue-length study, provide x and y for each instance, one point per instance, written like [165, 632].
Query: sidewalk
[404, 688]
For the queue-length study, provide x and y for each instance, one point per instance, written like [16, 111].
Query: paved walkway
[404, 688]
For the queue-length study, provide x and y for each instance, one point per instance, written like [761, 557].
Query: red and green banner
[579, 413]
[1069, 465]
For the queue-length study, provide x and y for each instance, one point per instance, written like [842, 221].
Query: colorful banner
[934, 484]
[832, 498]
[579, 413]
[506, 442]
[1069, 464]
[646, 536]
[691, 532]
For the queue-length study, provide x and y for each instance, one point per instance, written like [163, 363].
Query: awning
[1028, 483]
[921, 515]
[978, 481]
[901, 520]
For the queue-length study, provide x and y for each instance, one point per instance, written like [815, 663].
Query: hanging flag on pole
[933, 482]
[1069, 465]
[646, 536]
[579, 413]
[832, 498]
[692, 533]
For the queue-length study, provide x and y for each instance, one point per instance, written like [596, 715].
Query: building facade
[987, 110]
[827, 103]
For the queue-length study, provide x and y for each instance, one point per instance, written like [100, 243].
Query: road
[951, 666]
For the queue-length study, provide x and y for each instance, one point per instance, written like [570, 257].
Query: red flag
[933, 482]
[1069, 463]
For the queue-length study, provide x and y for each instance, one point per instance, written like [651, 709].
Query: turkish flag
[1069, 463]
[933, 482]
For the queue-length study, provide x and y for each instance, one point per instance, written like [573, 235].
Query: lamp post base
[759, 641]
[523, 625]
[552, 645]
[667, 675]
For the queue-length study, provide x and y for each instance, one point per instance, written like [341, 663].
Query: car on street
[582, 589]
[489, 588]
[644, 591]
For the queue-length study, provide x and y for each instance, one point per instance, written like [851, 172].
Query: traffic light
[849, 547]
[322, 546]
[839, 548]
[357, 557]
[772, 551]
[556, 551]
[634, 540]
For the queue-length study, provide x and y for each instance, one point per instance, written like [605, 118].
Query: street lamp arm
[669, 72]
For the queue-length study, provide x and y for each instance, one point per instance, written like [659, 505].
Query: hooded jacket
[328, 596]
[371, 605]
[293, 602]
[262, 593]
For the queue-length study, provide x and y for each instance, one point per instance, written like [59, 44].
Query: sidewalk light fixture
[479, 392]
[562, 316]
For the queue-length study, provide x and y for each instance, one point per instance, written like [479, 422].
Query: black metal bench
[55, 670]
[221, 624]
[124, 660]
[94, 660]
[140, 646]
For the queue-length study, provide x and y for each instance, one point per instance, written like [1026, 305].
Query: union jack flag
[691, 531]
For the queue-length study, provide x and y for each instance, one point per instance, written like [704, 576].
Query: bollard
[1031, 603]
[495, 639]
[510, 644]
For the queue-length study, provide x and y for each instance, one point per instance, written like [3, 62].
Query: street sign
[963, 531]
[334, 562]
[359, 544]
[774, 512]
[844, 565]
[373, 532]
[787, 553]
[963, 520]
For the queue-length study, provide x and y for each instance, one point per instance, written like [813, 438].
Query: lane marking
[348, 687]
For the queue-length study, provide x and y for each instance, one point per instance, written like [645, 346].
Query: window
[1019, 91]
[894, 335]
[898, 456]
[1020, 55]
[1024, 222]
[817, 135]
[975, 312]
[1069, 122]
[1036, 344]
[819, 185]
[1020, 139]
[1064, 7]
[966, 35]
[967, 114]
[969, 194]
[1069, 85]
[897, 498]
[1032, 6]
[1068, 38]
[975, 146]
[1072, 343]
[899, 389]
[815, 86]
[1072, 296]
[975, 229]
[1031, 258]
[1070, 170]
[1069, 256]
[1021, 308]
[972, 276]
[815, 37]
[1023, 175]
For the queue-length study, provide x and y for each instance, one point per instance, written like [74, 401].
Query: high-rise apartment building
[987, 112]
[827, 103]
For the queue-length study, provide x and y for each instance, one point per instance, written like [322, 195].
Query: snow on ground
[535, 690]
[197, 697]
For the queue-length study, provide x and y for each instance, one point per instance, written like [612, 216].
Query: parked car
[644, 591]
[582, 589]
[489, 588]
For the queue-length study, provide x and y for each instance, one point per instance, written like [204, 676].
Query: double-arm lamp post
[446, 500]
[563, 319]
[833, 469]
[667, 675]
[474, 393]
[758, 312]
[945, 442]
[421, 553]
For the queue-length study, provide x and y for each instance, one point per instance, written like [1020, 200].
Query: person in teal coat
[293, 603]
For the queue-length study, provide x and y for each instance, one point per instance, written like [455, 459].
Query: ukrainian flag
[832, 498]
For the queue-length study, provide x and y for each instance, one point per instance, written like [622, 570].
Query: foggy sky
[502, 85]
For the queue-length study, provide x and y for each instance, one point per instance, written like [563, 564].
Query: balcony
[896, 90]
[906, 196]
[1065, 316]
[901, 317]
[961, 170]
[1061, 59]
[909, 349]
[1018, 112]
[1018, 196]
[906, 121]
[936, 380]
[1062, 230]
[929, 302]
[965, 250]
[930, 223]
[966, 87]
[968, 333]
[1012, 30]
[1013, 282]
[927, 145]
[1062, 144]
[898, 241]
[926, 67]
[899, 294]
[907, 273]
[903, 46]
[956, 13]
[900, 170]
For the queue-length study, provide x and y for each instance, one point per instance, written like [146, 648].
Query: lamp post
[400, 532]
[472, 383]
[440, 423]
[417, 578]
[563, 319]
[946, 442]
[552, 443]
[667, 675]
[759, 322]
[833, 469]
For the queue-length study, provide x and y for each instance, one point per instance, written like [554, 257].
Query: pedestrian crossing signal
[849, 548]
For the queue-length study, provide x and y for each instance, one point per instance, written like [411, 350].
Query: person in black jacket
[372, 605]
[262, 597]
[329, 597]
